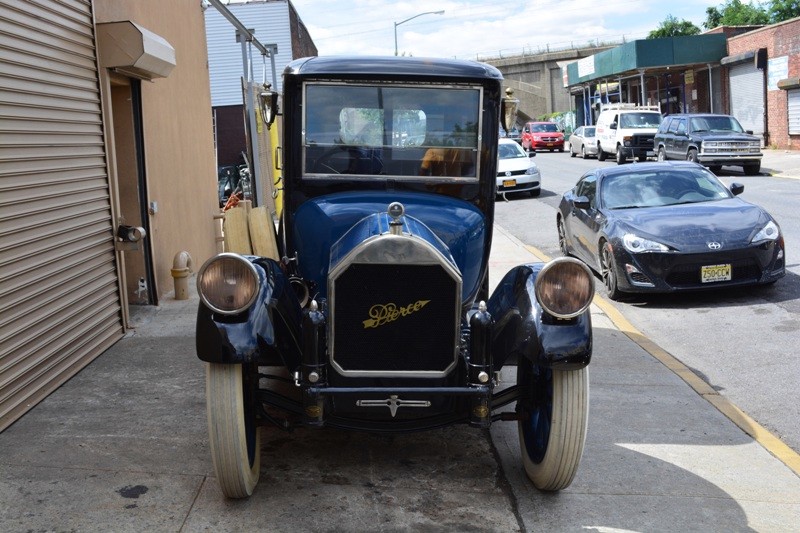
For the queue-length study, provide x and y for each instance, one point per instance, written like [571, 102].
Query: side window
[664, 127]
[588, 188]
[673, 126]
[681, 126]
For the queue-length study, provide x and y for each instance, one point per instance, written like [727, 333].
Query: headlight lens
[770, 232]
[564, 287]
[637, 245]
[228, 284]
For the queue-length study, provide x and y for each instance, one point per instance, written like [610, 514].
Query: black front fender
[523, 330]
[267, 333]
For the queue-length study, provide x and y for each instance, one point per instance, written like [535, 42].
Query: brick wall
[780, 40]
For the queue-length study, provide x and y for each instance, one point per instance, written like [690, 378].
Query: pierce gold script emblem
[381, 314]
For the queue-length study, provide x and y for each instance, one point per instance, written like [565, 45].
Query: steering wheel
[321, 164]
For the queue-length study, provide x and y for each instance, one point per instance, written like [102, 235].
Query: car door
[680, 140]
[579, 222]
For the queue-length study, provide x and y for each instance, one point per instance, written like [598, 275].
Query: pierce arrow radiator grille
[394, 318]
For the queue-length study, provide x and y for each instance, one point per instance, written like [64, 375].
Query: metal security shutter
[747, 96]
[793, 96]
[59, 299]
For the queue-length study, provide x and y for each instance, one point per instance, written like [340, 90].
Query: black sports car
[668, 226]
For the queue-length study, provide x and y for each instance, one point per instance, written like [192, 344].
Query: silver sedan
[582, 141]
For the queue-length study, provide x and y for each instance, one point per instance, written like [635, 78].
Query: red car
[542, 136]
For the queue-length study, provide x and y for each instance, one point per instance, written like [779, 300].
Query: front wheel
[691, 155]
[608, 271]
[571, 151]
[552, 428]
[662, 154]
[621, 159]
[232, 431]
[752, 170]
[601, 155]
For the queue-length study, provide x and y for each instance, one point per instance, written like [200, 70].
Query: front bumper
[729, 159]
[518, 183]
[673, 272]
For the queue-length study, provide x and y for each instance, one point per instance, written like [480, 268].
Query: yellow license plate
[713, 273]
[509, 183]
[549, 144]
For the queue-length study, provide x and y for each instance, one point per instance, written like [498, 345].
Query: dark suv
[711, 140]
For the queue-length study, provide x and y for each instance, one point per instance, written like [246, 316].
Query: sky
[483, 29]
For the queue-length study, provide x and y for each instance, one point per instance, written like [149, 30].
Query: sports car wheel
[608, 270]
[562, 238]
[601, 155]
[552, 430]
[662, 155]
[232, 431]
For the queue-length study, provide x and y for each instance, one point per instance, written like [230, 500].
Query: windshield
[544, 128]
[511, 151]
[716, 124]
[653, 189]
[639, 120]
[378, 131]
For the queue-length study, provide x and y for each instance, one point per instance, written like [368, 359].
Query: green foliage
[737, 13]
[780, 10]
[672, 27]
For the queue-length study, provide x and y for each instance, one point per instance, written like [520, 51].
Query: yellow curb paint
[770, 442]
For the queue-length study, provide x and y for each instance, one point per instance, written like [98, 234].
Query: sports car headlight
[637, 245]
[564, 287]
[770, 232]
[228, 284]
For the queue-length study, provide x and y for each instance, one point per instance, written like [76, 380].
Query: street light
[396, 24]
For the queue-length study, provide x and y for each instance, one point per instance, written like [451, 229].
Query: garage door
[747, 96]
[794, 111]
[59, 296]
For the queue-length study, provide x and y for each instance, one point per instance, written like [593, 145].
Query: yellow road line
[770, 442]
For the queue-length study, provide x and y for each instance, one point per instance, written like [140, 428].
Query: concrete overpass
[538, 80]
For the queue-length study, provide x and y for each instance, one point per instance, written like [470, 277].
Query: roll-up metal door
[59, 295]
[747, 96]
[793, 103]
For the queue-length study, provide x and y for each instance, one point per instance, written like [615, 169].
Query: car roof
[392, 66]
[645, 167]
[506, 140]
[697, 115]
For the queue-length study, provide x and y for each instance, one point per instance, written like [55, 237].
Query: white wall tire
[551, 449]
[233, 435]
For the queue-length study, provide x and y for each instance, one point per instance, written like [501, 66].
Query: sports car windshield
[660, 188]
[378, 132]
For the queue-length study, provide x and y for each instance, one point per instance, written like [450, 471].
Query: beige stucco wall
[179, 149]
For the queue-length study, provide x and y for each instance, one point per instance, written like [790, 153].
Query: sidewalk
[122, 447]
[781, 163]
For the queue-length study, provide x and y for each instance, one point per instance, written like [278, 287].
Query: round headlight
[228, 284]
[565, 287]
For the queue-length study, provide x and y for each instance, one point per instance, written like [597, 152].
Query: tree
[780, 10]
[672, 27]
[736, 13]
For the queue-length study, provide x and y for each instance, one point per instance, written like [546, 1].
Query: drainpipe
[181, 270]
[710, 91]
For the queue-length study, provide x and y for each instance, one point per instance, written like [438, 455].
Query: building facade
[106, 127]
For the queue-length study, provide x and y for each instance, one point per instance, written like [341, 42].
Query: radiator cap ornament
[396, 210]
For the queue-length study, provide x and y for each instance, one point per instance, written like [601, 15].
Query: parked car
[542, 136]
[709, 139]
[582, 141]
[516, 171]
[374, 313]
[664, 227]
[513, 133]
[626, 131]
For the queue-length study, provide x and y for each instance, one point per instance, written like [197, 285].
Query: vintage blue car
[377, 316]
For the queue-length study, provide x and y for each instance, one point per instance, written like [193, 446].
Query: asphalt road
[742, 342]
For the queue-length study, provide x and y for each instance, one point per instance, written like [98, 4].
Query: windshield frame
[469, 155]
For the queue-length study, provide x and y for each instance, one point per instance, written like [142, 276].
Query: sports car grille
[689, 275]
[395, 319]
